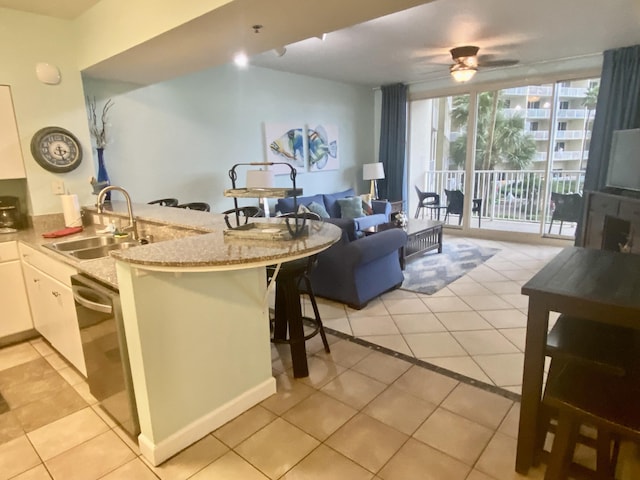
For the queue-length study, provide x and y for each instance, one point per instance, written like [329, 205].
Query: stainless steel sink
[87, 242]
[100, 251]
[89, 248]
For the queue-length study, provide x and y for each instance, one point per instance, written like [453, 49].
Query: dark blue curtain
[618, 108]
[393, 134]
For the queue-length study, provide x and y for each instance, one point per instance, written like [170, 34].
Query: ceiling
[408, 46]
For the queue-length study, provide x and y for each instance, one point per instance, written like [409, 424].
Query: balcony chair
[455, 205]
[425, 202]
[202, 206]
[165, 202]
[566, 208]
[292, 281]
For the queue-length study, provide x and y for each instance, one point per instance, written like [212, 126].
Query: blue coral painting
[286, 143]
[322, 141]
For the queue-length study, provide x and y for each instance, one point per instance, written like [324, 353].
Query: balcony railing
[515, 195]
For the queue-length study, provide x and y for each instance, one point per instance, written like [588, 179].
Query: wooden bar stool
[583, 395]
[604, 348]
[292, 281]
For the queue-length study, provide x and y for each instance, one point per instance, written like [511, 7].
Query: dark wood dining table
[599, 285]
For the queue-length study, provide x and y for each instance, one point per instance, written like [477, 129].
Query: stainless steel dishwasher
[105, 351]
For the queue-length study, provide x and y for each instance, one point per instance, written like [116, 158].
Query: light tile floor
[474, 327]
[361, 414]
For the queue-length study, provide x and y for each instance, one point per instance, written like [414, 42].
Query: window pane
[437, 148]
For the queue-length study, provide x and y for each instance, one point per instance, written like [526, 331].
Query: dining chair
[202, 206]
[455, 205]
[165, 202]
[566, 208]
[426, 200]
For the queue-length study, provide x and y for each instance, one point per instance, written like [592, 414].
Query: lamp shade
[372, 171]
[259, 179]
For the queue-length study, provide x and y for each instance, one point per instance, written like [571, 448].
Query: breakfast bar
[196, 319]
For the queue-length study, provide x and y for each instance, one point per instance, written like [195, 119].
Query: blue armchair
[356, 271]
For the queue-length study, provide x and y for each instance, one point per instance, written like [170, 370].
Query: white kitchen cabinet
[11, 163]
[53, 310]
[16, 316]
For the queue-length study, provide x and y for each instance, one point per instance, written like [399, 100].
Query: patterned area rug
[432, 271]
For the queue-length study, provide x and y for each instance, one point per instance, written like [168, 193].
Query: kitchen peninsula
[196, 319]
[195, 312]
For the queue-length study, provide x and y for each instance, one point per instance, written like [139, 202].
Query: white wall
[25, 40]
[179, 138]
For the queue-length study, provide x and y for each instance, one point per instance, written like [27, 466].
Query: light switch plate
[57, 187]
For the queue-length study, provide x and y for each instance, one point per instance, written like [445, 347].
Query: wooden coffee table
[423, 236]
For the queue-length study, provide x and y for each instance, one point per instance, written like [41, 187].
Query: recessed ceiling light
[241, 60]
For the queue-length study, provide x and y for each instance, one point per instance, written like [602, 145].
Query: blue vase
[103, 176]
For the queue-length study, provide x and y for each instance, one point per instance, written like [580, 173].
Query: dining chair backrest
[165, 202]
[202, 206]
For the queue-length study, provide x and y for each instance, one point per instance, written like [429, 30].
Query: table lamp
[261, 179]
[373, 172]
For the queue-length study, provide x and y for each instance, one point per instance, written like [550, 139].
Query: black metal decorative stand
[295, 224]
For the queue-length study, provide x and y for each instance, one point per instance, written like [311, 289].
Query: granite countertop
[183, 239]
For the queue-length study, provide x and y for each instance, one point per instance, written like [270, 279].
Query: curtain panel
[393, 135]
[618, 108]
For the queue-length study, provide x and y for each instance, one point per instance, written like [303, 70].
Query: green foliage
[500, 140]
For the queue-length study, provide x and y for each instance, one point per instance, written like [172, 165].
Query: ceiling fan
[466, 62]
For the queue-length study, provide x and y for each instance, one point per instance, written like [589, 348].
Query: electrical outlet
[57, 187]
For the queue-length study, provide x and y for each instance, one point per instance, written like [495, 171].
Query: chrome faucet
[133, 226]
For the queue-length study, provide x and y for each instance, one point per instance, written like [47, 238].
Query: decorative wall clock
[56, 149]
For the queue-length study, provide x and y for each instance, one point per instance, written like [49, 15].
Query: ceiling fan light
[462, 73]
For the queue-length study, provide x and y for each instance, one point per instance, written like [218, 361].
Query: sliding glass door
[527, 154]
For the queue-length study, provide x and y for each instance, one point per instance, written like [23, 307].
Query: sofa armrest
[381, 206]
[369, 221]
[372, 247]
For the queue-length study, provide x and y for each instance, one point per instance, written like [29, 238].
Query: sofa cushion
[318, 209]
[350, 207]
[331, 201]
[285, 205]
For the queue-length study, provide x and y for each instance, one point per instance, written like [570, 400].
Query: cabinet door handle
[55, 294]
[36, 280]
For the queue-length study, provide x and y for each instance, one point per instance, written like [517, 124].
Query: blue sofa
[355, 271]
[381, 208]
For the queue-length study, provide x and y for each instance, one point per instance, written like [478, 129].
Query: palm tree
[500, 139]
[589, 102]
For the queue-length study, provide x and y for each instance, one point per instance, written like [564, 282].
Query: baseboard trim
[167, 448]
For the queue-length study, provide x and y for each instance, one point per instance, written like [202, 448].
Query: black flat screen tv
[624, 160]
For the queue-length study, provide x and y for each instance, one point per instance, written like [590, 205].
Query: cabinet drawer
[8, 251]
[603, 204]
[52, 267]
[630, 211]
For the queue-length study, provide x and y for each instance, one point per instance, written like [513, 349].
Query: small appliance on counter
[10, 216]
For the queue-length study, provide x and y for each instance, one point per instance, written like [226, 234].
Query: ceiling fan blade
[489, 61]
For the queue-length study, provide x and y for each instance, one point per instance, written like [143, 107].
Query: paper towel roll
[71, 210]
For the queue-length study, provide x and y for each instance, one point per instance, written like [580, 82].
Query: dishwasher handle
[92, 300]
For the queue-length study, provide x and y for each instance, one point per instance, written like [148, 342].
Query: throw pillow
[351, 207]
[318, 209]
[366, 203]
[303, 209]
